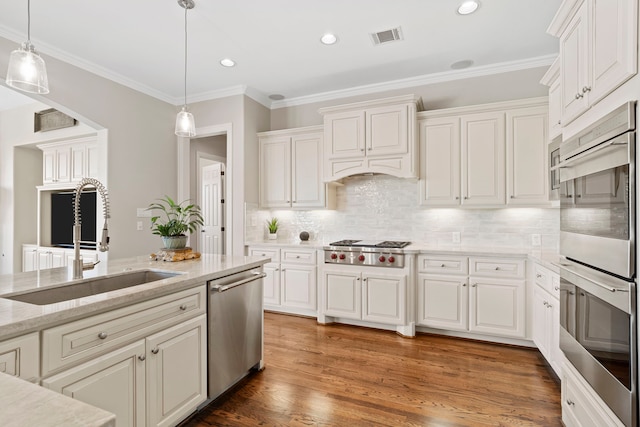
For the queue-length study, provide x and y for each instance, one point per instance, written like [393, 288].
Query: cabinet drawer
[76, 341]
[274, 254]
[20, 357]
[547, 279]
[299, 256]
[442, 264]
[497, 267]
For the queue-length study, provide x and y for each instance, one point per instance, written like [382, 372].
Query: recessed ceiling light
[465, 63]
[468, 7]
[329, 39]
[276, 97]
[226, 62]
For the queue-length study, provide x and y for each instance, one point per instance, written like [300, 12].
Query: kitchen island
[91, 346]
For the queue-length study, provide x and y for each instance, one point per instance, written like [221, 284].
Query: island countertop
[17, 318]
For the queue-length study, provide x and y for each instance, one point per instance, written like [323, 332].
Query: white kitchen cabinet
[145, 362]
[598, 50]
[36, 257]
[546, 316]
[176, 371]
[440, 161]
[527, 164]
[51, 258]
[29, 257]
[581, 406]
[372, 136]
[114, 382]
[443, 302]
[483, 159]
[20, 357]
[291, 169]
[67, 162]
[351, 293]
[497, 307]
[291, 282]
[552, 80]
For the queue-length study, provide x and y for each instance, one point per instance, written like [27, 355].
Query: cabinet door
[443, 302]
[574, 71]
[63, 164]
[497, 307]
[58, 258]
[91, 161]
[555, 109]
[387, 130]
[114, 382]
[176, 371]
[344, 134]
[275, 172]
[49, 165]
[613, 45]
[542, 322]
[527, 169]
[384, 299]
[29, 258]
[298, 286]
[20, 357]
[483, 158]
[342, 294]
[78, 167]
[44, 259]
[271, 284]
[307, 187]
[440, 161]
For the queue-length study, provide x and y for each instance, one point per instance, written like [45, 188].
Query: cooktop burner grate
[344, 242]
[392, 244]
[371, 244]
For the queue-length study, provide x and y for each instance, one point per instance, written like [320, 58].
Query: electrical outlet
[535, 240]
[455, 237]
[139, 226]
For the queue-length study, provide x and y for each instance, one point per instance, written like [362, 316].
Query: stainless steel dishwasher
[235, 328]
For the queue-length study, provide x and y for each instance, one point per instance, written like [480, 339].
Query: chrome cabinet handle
[586, 89]
[464, 285]
[297, 256]
[570, 402]
[474, 285]
[155, 350]
[102, 335]
[466, 198]
[142, 357]
[183, 307]
[557, 288]
[579, 95]
[512, 197]
[457, 198]
[546, 304]
[497, 268]
[538, 275]
[442, 265]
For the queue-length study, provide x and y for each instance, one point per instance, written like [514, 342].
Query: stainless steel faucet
[78, 265]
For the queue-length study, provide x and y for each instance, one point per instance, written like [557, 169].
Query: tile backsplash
[386, 208]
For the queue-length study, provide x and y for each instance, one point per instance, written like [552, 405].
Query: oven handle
[224, 288]
[614, 141]
[597, 283]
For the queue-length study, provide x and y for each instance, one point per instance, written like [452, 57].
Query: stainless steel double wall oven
[597, 237]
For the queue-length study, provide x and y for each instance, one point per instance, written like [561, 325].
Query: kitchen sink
[90, 287]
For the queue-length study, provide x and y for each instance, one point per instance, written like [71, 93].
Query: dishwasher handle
[223, 288]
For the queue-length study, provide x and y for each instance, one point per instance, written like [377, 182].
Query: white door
[211, 204]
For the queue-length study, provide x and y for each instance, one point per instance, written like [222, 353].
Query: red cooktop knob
[382, 258]
[342, 256]
[334, 256]
[361, 258]
[391, 259]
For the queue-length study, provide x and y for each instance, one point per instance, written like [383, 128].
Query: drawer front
[555, 285]
[70, 343]
[497, 267]
[542, 277]
[274, 254]
[299, 256]
[442, 264]
[20, 357]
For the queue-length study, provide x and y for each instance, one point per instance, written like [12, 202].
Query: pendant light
[27, 71]
[185, 124]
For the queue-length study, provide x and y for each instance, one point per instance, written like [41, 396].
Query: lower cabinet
[20, 357]
[546, 316]
[581, 406]
[291, 282]
[146, 363]
[491, 300]
[368, 296]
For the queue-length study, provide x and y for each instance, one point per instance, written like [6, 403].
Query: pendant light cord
[29, 21]
[185, 56]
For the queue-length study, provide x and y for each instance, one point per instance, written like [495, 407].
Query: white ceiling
[276, 44]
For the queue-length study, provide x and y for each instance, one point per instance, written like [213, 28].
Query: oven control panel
[371, 259]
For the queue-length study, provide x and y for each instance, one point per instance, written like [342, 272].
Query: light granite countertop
[18, 318]
[26, 404]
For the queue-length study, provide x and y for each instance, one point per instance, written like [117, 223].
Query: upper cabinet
[371, 137]
[552, 80]
[484, 156]
[598, 50]
[291, 169]
[67, 162]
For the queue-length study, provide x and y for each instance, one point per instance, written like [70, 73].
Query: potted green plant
[272, 226]
[174, 221]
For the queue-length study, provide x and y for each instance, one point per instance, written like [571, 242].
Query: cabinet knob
[538, 275]
[357, 279]
[466, 198]
[570, 402]
[579, 95]
[442, 265]
[474, 285]
[364, 280]
[142, 357]
[586, 89]
[297, 256]
[546, 304]
[464, 285]
[155, 350]
[559, 122]
[557, 288]
[369, 148]
[102, 335]
[457, 198]
[183, 307]
[497, 268]
[362, 149]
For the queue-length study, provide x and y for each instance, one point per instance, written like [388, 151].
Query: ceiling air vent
[387, 36]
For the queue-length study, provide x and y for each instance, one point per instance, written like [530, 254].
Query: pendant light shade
[27, 71]
[185, 124]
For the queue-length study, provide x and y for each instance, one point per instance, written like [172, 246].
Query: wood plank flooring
[340, 375]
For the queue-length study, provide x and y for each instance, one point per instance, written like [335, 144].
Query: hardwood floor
[341, 375]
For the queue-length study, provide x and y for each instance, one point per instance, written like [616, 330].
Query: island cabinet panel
[114, 382]
[20, 357]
